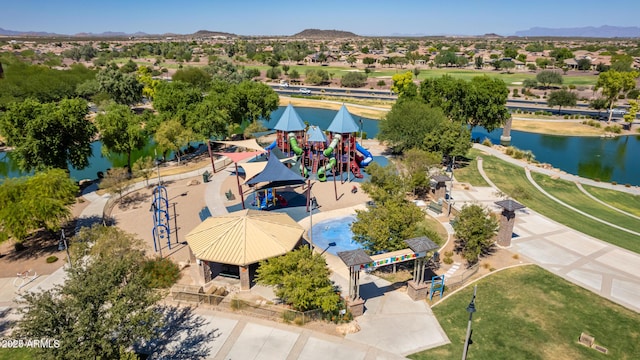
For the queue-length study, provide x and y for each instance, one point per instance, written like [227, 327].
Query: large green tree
[48, 135]
[613, 83]
[106, 306]
[172, 136]
[562, 98]
[474, 231]
[30, 203]
[301, 279]
[408, 123]
[176, 99]
[449, 138]
[122, 88]
[548, 77]
[121, 131]
[417, 165]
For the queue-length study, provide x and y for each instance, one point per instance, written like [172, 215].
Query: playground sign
[387, 259]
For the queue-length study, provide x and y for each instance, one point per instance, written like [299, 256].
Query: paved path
[607, 270]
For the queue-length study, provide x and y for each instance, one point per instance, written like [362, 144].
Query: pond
[605, 159]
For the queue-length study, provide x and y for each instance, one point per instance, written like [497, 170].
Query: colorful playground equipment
[161, 226]
[328, 153]
[270, 198]
[293, 143]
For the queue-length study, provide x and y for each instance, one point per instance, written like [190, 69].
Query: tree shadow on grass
[183, 336]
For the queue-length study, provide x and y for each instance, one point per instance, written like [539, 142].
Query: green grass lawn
[528, 313]
[623, 201]
[569, 193]
[17, 354]
[469, 173]
[512, 180]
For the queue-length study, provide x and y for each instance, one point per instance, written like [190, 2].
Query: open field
[528, 313]
[512, 180]
[569, 193]
[626, 202]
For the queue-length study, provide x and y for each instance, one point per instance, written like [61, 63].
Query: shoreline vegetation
[550, 125]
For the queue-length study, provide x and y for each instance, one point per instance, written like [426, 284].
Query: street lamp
[471, 308]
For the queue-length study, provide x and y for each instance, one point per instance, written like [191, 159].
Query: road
[512, 104]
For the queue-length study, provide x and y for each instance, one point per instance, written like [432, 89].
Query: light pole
[471, 308]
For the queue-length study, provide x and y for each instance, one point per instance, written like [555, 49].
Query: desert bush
[487, 142]
[161, 273]
[447, 260]
[51, 259]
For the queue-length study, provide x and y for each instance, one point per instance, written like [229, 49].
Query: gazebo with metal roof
[507, 220]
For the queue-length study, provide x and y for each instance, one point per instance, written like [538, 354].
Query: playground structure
[268, 199]
[161, 225]
[312, 150]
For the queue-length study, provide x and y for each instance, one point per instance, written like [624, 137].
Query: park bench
[435, 207]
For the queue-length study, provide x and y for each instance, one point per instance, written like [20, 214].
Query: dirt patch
[37, 248]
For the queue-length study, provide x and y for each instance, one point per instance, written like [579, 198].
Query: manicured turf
[469, 173]
[528, 313]
[17, 354]
[569, 193]
[623, 201]
[511, 179]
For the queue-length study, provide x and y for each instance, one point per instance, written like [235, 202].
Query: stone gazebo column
[507, 221]
[245, 278]
[354, 259]
[505, 138]
[440, 191]
[417, 288]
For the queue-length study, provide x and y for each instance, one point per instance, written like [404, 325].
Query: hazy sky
[287, 17]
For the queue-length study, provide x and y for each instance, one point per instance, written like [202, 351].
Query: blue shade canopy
[290, 120]
[343, 122]
[314, 134]
[275, 171]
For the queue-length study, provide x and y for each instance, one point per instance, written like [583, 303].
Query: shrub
[627, 185]
[447, 260]
[614, 183]
[516, 256]
[633, 94]
[51, 259]
[161, 273]
[614, 129]
[19, 246]
[381, 83]
[487, 142]
[448, 253]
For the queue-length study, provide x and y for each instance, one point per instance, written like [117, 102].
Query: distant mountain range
[604, 31]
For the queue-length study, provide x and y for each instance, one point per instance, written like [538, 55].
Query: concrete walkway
[605, 269]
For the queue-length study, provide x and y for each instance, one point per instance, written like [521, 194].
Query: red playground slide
[281, 200]
[355, 169]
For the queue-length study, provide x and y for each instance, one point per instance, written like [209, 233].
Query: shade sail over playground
[275, 171]
[343, 122]
[244, 237]
[290, 120]
[247, 144]
[239, 156]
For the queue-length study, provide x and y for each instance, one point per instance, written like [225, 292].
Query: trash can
[205, 176]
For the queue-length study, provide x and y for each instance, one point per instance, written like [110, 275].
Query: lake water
[606, 159]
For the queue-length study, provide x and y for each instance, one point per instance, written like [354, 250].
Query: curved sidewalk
[607, 270]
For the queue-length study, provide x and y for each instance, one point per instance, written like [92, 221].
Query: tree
[117, 180]
[548, 77]
[351, 60]
[584, 64]
[172, 136]
[121, 131]
[316, 77]
[474, 231]
[529, 83]
[273, 73]
[449, 138]
[129, 67]
[561, 54]
[417, 165]
[613, 83]
[195, 76]
[122, 88]
[479, 62]
[368, 61]
[630, 116]
[106, 306]
[598, 104]
[176, 99]
[294, 74]
[301, 279]
[508, 65]
[407, 124]
[30, 203]
[562, 98]
[485, 103]
[144, 167]
[354, 79]
[404, 86]
[48, 135]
